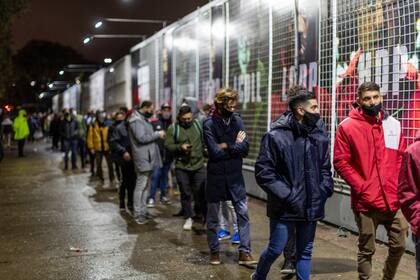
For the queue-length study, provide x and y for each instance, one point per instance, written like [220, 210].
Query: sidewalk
[46, 211]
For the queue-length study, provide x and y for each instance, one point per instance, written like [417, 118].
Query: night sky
[69, 21]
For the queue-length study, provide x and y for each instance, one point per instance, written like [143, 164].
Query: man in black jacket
[69, 131]
[294, 169]
[119, 143]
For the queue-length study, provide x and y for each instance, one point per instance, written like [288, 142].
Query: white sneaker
[151, 203]
[188, 224]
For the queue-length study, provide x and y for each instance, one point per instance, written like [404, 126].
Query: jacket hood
[288, 121]
[192, 102]
[22, 113]
[357, 114]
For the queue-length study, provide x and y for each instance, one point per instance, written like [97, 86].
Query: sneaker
[151, 203]
[246, 259]
[288, 268]
[215, 258]
[223, 235]
[149, 216]
[188, 224]
[141, 220]
[236, 239]
[165, 201]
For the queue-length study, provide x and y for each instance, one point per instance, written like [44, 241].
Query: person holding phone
[185, 143]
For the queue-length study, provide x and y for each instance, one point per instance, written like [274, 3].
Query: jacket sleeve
[327, 183]
[409, 191]
[170, 144]
[90, 138]
[138, 132]
[215, 153]
[114, 139]
[240, 149]
[267, 175]
[342, 159]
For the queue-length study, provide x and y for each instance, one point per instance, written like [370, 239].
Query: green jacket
[82, 126]
[194, 136]
[20, 126]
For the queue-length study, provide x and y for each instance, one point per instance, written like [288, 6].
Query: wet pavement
[48, 214]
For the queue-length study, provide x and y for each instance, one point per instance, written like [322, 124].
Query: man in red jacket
[409, 192]
[367, 155]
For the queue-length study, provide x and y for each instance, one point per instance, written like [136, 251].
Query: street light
[108, 60]
[61, 72]
[112, 36]
[127, 20]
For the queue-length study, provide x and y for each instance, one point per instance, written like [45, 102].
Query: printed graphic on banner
[383, 46]
[143, 82]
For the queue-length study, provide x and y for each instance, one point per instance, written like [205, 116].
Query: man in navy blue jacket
[227, 144]
[294, 169]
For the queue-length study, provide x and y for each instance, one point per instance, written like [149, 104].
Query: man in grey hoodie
[146, 155]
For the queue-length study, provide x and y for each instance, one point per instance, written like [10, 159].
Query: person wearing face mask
[160, 175]
[294, 169]
[69, 131]
[185, 142]
[368, 154]
[146, 156]
[227, 145]
[97, 141]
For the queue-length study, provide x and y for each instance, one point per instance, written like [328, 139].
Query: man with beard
[367, 154]
[227, 144]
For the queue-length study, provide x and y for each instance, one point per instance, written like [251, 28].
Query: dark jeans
[279, 235]
[117, 169]
[160, 178]
[128, 183]
[82, 151]
[55, 140]
[416, 240]
[21, 145]
[290, 248]
[241, 210]
[92, 162]
[70, 145]
[192, 185]
[99, 158]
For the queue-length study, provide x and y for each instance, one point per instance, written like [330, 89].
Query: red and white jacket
[409, 185]
[367, 155]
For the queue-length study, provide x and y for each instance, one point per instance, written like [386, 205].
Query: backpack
[196, 125]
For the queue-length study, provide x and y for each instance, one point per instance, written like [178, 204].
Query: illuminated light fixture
[112, 70]
[87, 40]
[50, 85]
[33, 83]
[61, 72]
[98, 24]
[108, 60]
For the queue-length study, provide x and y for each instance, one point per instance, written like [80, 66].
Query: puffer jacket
[98, 138]
[143, 140]
[409, 185]
[294, 169]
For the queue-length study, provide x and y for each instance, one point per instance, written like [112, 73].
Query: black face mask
[148, 115]
[310, 119]
[373, 110]
[226, 114]
[118, 121]
[185, 125]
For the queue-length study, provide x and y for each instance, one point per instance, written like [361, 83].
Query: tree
[8, 9]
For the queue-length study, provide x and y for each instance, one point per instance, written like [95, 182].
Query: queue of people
[205, 151]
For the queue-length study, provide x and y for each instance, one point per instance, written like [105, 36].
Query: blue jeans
[160, 178]
[279, 234]
[241, 210]
[70, 145]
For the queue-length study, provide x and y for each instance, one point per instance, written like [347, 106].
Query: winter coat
[224, 168]
[82, 126]
[20, 126]
[409, 185]
[192, 135]
[143, 139]
[69, 130]
[367, 155]
[119, 141]
[158, 125]
[294, 169]
[97, 138]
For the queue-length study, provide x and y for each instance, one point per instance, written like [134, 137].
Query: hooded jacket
[409, 185]
[367, 155]
[97, 138]
[294, 169]
[20, 126]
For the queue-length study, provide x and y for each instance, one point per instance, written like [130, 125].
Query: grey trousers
[141, 193]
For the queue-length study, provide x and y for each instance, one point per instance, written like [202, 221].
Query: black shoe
[288, 268]
[179, 214]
